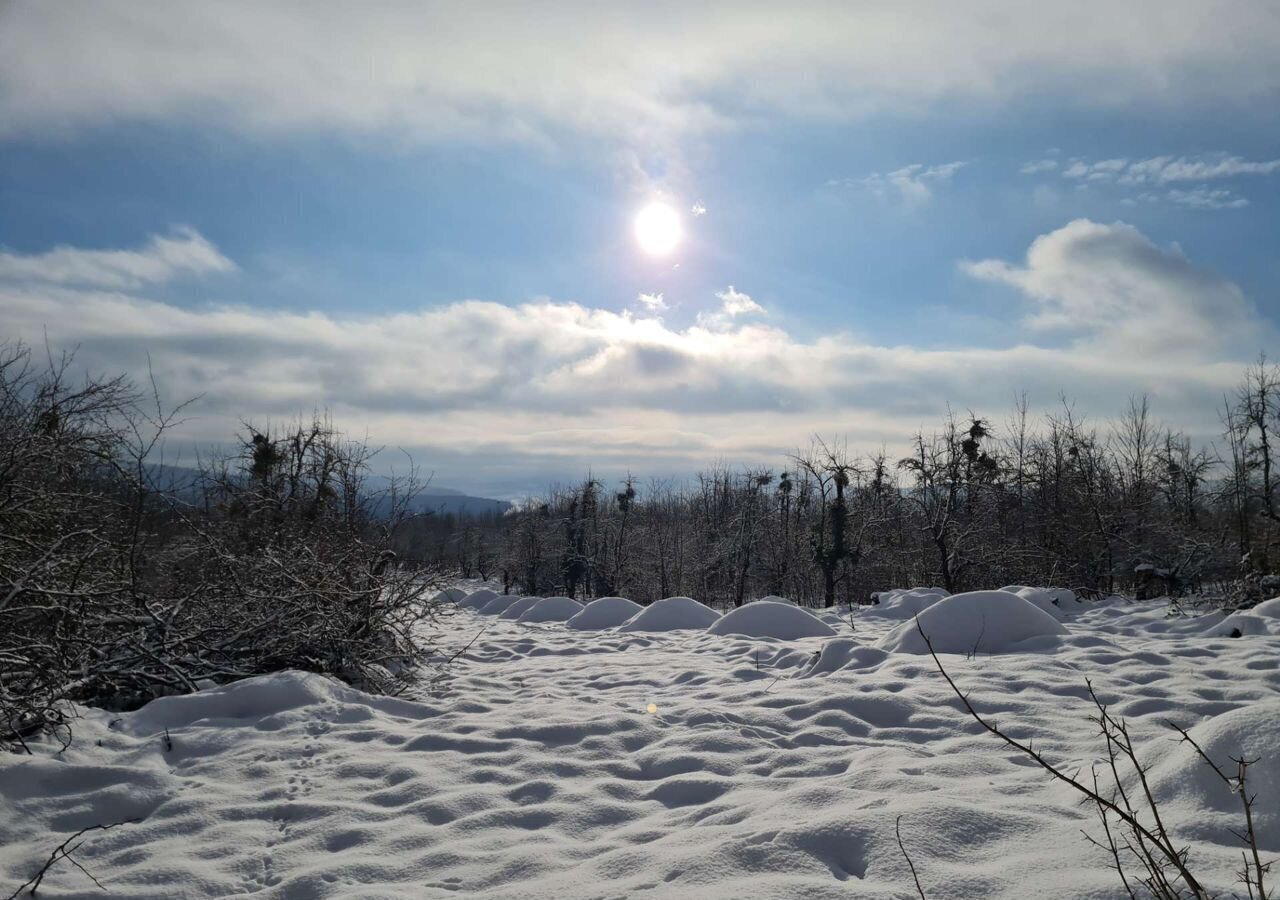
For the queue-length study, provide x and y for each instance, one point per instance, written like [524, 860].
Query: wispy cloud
[1036, 166]
[913, 184]
[1207, 198]
[1164, 170]
[1163, 179]
[182, 252]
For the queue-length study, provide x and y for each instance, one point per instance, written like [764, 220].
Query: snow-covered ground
[566, 762]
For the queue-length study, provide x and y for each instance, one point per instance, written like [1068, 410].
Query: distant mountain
[432, 490]
[459, 504]
[444, 501]
[431, 499]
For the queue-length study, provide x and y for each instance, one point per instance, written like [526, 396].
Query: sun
[658, 229]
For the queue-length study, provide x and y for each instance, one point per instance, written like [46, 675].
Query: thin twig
[897, 830]
[64, 851]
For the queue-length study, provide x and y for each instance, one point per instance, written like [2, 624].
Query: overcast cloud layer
[648, 74]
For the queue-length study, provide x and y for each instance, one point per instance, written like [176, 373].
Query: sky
[420, 217]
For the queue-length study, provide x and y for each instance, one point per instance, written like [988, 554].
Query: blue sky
[420, 217]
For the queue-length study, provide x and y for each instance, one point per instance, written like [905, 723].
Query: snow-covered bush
[671, 614]
[770, 618]
[121, 582]
[604, 612]
[976, 622]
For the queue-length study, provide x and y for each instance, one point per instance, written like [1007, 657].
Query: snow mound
[979, 621]
[774, 598]
[552, 609]
[1066, 599]
[771, 619]
[1239, 624]
[1057, 602]
[518, 608]
[1206, 808]
[604, 612]
[1042, 599]
[671, 614]
[499, 605]
[450, 595]
[844, 653]
[906, 604]
[1269, 608]
[247, 700]
[477, 599]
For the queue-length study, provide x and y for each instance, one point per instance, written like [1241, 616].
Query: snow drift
[771, 619]
[843, 653]
[979, 621]
[671, 614]
[551, 609]
[1240, 624]
[498, 605]
[516, 608]
[450, 595]
[1205, 808]
[604, 612]
[1269, 608]
[907, 603]
[478, 599]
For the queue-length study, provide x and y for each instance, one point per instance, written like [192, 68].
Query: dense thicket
[1131, 507]
[115, 588]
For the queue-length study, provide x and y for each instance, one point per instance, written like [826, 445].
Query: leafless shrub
[115, 589]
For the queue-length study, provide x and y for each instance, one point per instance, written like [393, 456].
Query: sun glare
[658, 229]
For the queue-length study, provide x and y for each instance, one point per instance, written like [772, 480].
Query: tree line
[1125, 506]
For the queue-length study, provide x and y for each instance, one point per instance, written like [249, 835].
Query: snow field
[767, 769]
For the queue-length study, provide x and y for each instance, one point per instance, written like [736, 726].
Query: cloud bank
[548, 388]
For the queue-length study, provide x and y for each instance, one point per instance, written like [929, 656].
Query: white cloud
[913, 183]
[698, 210]
[440, 70]
[183, 252]
[734, 304]
[1156, 174]
[652, 302]
[1116, 291]
[548, 388]
[1101, 170]
[1164, 170]
[1037, 166]
[1207, 198]
[1167, 170]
